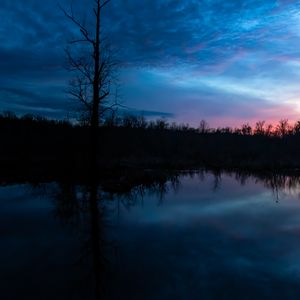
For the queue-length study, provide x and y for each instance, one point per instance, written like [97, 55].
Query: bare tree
[283, 128]
[269, 130]
[297, 127]
[90, 58]
[203, 127]
[259, 128]
[246, 129]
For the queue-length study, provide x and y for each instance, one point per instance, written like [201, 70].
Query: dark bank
[35, 147]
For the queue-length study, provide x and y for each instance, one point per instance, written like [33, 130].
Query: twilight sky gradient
[228, 62]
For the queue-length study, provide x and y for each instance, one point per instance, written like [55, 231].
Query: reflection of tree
[277, 182]
[84, 209]
[96, 240]
[281, 182]
[81, 208]
[68, 208]
[217, 180]
[132, 190]
[87, 210]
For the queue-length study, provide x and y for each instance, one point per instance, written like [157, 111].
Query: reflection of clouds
[196, 241]
[235, 238]
[252, 204]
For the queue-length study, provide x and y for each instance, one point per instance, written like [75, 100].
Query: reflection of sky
[201, 241]
[225, 61]
[236, 241]
[34, 249]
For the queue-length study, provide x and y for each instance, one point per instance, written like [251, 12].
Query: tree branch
[80, 66]
[71, 17]
[103, 96]
[78, 96]
[103, 4]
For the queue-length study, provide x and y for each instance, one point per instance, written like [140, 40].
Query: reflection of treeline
[287, 181]
[280, 183]
[35, 144]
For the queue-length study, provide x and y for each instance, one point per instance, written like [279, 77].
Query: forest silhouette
[34, 146]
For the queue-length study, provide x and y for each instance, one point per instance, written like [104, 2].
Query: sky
[228, 62]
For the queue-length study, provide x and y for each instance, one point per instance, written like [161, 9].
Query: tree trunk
[96, 93]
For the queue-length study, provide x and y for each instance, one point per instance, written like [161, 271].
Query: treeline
[32, 144]
[10, 118]
[282, 128]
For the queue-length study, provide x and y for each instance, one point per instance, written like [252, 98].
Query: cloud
[216, 99]
[223, 60]
[147, 113]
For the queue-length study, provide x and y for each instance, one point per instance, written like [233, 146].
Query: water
[201, 236]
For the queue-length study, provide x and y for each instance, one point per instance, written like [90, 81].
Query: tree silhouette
[90, 58]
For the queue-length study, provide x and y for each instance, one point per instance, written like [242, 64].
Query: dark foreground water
[199, 236]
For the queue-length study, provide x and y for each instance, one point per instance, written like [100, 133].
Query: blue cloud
[212, 59]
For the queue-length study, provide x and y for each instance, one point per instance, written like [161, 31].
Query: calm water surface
[199, 237]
